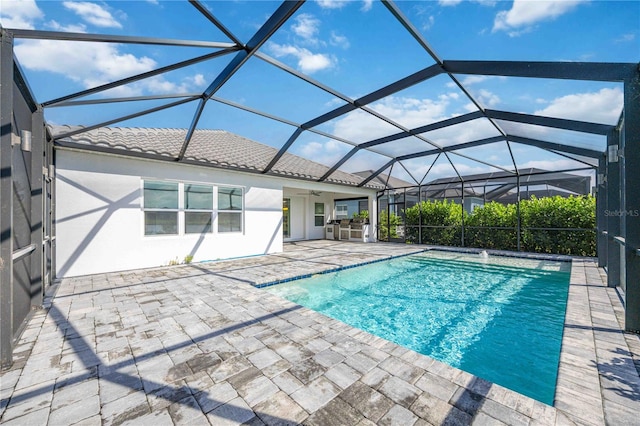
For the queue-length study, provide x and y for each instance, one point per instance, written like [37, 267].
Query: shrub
[386, 222]
[364, 214]
[558, 212]
[494, 225]
[441, 222]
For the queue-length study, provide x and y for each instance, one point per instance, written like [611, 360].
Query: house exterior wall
[100, 219]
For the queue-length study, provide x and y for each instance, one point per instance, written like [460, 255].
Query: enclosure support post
[462, 217]
[419, 214]
[518, 221]
[613, 208]
[388, 215]
[6, 194]
[630, 139]
[601, 209]
[37, 206]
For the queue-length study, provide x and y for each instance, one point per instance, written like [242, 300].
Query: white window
[230, 208]
[319, 214]
[175, 208]
[198, 206]
[342, 212]
[160, 208]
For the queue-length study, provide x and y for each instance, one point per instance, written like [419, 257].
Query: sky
[354, 48]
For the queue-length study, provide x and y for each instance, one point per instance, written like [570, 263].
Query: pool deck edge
[606, 388]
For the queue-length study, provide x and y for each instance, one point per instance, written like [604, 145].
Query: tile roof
[217, 148]
[382, 179]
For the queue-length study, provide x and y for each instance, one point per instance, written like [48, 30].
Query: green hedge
[493, 226]
[558, 212]
[446, 216]
[388, 221]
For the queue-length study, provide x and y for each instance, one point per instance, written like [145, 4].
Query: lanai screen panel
[320, 78]
[264, 87]
[427, 101]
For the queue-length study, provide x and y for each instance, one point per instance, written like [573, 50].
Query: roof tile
[213, 147]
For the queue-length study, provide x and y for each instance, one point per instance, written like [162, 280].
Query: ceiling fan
[311, 192]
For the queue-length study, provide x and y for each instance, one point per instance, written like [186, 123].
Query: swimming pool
[498, 318]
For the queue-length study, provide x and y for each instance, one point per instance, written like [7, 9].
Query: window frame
[317, 215]
[186, 210]
[230, 211]
[145, 209]
[182, 211]
[346, 211]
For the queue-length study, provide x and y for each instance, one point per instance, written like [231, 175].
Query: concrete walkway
[199, 344]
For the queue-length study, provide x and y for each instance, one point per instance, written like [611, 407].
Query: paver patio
[199, 344]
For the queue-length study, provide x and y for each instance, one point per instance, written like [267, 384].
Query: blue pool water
[498, 318]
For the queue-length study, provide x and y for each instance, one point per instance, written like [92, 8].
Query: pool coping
[500, 253]
[331, 270]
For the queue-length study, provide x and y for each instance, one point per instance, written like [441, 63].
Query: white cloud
[563, 164]
[474, 79]
[412, 112]
[367, 160]
[327, 152]
[359, 126]
[625, 38]
[443, 169]
[487, 98]
[81, 61]
[339, 40]
[73, 28]
[334, 102]
[446, 3]
[603, 106]
[157, 85]
[94, 64]
[20, 14]
[306, 26]
[332, 4]
[308, 61]
[427, 23]
[198, 80]
[526, 13]
[470, 107]
[93, 14]
[366, 5]
[466, 132]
